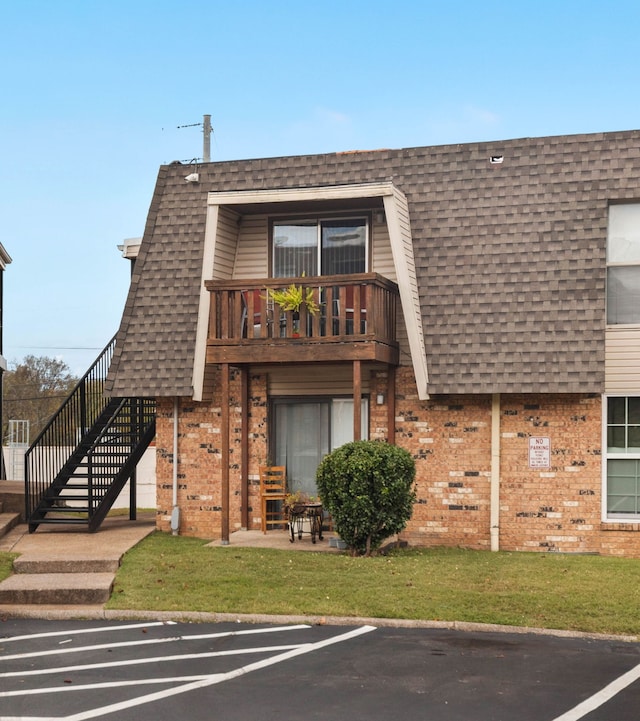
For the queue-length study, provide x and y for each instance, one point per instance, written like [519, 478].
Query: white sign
[539, 452]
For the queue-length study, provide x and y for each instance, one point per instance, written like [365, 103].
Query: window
[305, 430]
[623, 458]
[319, 247]
[623, 264]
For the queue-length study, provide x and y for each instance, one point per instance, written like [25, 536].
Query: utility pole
[206, 133]
[206, 145]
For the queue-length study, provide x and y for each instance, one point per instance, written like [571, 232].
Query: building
[479, 305]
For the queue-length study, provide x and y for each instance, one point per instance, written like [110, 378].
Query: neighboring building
[5, 259]
[480, 306]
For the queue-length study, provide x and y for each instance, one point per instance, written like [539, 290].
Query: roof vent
[496, 159]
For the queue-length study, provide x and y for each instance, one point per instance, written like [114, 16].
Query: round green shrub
[368, 488]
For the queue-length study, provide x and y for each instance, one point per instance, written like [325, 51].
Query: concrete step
[7, 522]
[12, 497]
[57, 588]
[67, 564]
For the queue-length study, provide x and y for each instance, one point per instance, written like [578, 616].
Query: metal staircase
[79, 464]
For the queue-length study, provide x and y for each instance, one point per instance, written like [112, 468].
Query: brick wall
[541, 509]
[199, 456]
[556, 508]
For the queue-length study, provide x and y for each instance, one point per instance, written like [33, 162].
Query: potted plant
[292, 297]
[295, 503]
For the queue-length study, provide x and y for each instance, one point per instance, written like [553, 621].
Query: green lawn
[585, 593]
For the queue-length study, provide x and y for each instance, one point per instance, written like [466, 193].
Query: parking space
[131, 670]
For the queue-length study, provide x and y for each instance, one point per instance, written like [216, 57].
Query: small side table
[301, 512]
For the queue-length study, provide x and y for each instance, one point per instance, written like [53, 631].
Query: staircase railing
[115, 453]
[57, 447]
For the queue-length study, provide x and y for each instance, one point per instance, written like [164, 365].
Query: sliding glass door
[304, 431]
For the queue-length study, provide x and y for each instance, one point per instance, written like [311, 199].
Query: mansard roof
[509, 241]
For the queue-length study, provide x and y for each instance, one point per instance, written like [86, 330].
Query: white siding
[622, 359]
[226, 243]
[397, 212]
[252, 259]
[381, 255]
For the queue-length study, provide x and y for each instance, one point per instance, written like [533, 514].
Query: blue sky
[93, 94]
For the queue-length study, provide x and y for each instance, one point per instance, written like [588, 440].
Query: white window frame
[317, 221]
[606, 456]
[633, 262]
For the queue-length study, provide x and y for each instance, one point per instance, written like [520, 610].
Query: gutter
[495, 473]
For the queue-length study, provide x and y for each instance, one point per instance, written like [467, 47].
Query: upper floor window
[319, 247]
[623, 264]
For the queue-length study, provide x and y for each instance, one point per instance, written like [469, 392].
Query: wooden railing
[349, 308]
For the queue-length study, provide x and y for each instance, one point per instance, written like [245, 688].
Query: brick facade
[541, 509]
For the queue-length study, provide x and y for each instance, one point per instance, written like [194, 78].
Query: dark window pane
[634, 411]
[633, 439]
[616, 411]
[616, 439]
[344, 244]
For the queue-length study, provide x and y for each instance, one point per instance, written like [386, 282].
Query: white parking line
[147, 642]
[218, 678]
[106, 684]
[142, 661]
[101, 629]
[195, 683]
[602, 696]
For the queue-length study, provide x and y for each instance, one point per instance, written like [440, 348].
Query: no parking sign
[539, 452]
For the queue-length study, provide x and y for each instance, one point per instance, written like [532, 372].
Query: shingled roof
[510, 258]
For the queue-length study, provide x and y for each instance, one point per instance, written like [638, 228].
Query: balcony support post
[391, 404]
[357, 400]
[244, 449]
[224, 450]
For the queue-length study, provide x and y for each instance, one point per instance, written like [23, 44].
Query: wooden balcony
[356, 321]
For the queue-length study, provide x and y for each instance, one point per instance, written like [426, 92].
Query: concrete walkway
[64, 566]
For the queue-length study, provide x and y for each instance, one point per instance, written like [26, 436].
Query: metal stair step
[71, 520]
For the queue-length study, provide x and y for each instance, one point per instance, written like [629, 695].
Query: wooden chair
[273, 489]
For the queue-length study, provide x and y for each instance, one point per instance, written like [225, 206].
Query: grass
[584, 593]
[6, 559]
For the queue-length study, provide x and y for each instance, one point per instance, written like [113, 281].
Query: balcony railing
[356, 311]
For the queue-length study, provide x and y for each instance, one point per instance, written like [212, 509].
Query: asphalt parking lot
[76, 670]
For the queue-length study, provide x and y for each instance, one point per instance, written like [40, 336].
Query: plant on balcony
[292, 297]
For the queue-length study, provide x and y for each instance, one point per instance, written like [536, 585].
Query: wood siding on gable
[622, 360]
[324, 381]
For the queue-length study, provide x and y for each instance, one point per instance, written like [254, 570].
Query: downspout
[175, 513]
[495, 473]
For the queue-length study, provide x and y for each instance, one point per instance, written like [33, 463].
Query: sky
[95, 96]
